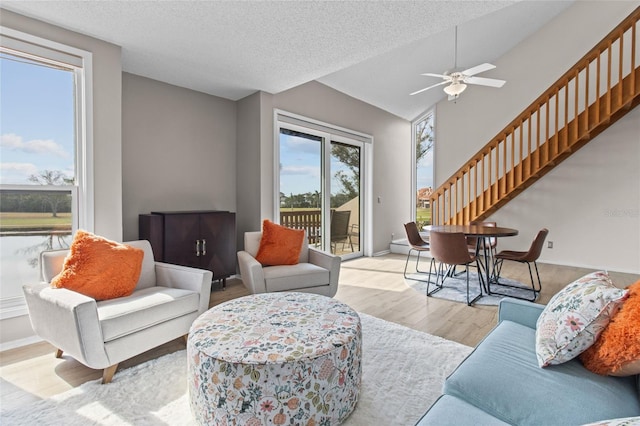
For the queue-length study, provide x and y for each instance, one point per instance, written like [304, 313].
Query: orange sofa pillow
[279, 245]
[100, 268]
[617, 350]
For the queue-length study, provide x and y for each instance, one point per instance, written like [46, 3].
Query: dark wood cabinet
[201, 239]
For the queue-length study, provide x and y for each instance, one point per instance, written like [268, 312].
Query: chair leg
[481, 280]
[431, 264]
[406, 264]
[439, 279]
[107, 374]
[58, 353]
[418, 271]
[533, 285]
[536, 292]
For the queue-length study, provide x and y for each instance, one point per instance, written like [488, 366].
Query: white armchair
[317, 271]
[100, 334]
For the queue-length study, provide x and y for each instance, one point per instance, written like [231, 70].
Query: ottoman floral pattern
[275, 358]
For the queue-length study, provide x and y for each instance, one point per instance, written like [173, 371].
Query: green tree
[350, 180]
[424, 138]
[52, 177]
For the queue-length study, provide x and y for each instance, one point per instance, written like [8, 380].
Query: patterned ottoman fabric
[275, 358]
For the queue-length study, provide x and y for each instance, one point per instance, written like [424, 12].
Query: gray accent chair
[317, 271]
[101, 334]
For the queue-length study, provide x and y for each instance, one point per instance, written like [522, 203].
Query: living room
[144, 128]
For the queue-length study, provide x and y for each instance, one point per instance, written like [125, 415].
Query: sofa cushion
[302, 275]
[575, 317]
[451, 411]
[502, 377]
[144, 308]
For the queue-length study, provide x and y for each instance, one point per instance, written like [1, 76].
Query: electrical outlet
[393, 236]
[550, 244]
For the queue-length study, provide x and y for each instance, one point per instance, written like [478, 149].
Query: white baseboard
[19, 343]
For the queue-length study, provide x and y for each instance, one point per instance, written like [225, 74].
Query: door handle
[204, 247]
[197, 247]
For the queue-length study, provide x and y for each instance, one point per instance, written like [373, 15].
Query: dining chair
[450, 248]
[416, 243]
[528, 257]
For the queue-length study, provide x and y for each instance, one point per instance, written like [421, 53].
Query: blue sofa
[500, 383]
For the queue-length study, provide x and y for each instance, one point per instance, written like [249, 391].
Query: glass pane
[424, 170]
[30, 222]
[301, 183]
[37, 123]
[345, 198]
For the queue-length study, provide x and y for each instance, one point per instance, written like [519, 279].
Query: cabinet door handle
[197, 247]
[204, 247]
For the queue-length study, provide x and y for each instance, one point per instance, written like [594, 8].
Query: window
[45, 170]
[321, 183]
[423, 138]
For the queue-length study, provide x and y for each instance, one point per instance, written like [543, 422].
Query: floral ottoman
[275, 358]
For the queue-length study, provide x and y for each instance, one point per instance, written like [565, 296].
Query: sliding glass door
[320, 188]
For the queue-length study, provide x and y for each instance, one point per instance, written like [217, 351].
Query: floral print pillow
[575, 317]
[626, 421]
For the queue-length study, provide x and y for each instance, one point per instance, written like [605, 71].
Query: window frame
[81, 62]
[282, 118]
[414, 162]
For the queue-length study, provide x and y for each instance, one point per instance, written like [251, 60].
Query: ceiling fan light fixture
[455, 89]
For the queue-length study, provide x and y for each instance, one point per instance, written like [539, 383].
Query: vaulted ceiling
[374, 51]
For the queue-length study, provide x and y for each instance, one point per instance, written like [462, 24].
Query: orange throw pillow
[100, 268]
[279, 245]
[617, 350]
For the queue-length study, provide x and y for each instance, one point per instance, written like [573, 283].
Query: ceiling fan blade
[428, 74]
[427, 88]
[493, 82]
[478, 69]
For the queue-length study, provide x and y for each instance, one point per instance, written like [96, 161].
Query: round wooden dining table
[482, 232]
[475, 230]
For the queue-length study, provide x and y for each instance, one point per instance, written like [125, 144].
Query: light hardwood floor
[371, 285]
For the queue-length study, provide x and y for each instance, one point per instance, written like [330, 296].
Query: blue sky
[300, 167]
[36, 121]
[424, 172]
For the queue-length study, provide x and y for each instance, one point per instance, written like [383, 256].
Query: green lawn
[34, 221]
[423, 216]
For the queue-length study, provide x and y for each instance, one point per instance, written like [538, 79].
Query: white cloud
[301, 170]
[17, 173]
[14, 142]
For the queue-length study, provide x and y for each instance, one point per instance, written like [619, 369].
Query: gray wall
[391, 148]
[591, 202]
[179, 150]
[248, 168]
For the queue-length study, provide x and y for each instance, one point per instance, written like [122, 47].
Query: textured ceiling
[371, 50]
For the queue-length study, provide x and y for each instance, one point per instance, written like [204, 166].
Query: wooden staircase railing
[598, 90]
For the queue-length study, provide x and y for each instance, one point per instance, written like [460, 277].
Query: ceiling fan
[460, 79]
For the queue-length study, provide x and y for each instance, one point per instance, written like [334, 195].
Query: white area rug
[402, 375]
[455, 288]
